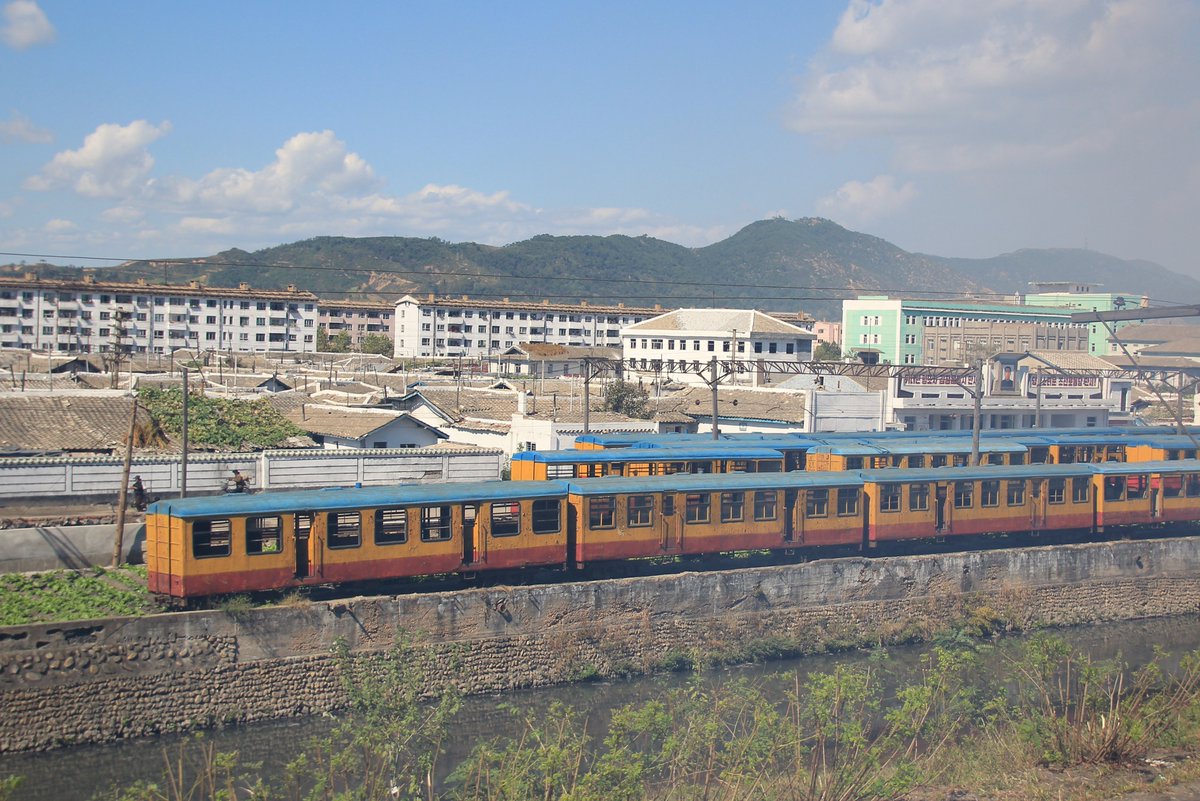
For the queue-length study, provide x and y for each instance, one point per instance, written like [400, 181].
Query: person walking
[139, 494]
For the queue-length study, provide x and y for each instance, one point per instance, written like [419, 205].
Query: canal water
[79, 773]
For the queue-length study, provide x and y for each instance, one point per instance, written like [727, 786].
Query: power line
[153, 264]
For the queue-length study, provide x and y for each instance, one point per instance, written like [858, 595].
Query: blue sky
[155, 129]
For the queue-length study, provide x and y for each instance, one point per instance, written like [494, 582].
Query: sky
[974, 128]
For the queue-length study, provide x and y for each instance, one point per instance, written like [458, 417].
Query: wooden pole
[123, 496]
[183, 464]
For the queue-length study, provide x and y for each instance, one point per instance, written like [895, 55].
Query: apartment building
[905, 331]
[85, 315]
[674, 345]
[1084, 297]
[358, 319]
[440, 327]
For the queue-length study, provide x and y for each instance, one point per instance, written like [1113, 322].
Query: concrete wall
[24, 550]
[81, 478]
[108, 679]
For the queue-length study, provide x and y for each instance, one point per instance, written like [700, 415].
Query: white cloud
[113, 162]
[25, 25]
[60, 226]
[857, 202]
[122, 215]
[20, 129]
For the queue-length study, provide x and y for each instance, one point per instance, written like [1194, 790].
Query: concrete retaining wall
[109, 679]
[24, 550]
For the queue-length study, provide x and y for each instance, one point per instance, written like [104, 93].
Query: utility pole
[184, 462]
[977, 417]
[714, 383]
[123, 497]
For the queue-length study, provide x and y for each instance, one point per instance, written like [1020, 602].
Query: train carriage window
[547, 516]
[1136, 486]
[964, 492]
[1172, 486]
[1039, 455]
[344, 530]
[1016, 458]
[847, 501]
[391, 526]
[770, 466]
[263, 535]
[1114, 488]
[554, 471]
[210, 538]
[1193, 485]
[938, 460]
[918, 497]
[994, 458]
[1056, 490]
[816, 503]
[696, 507]
[889, 497]
[916, 461]
[1016, 493]
[640, 511]
[506, 519]
[854, 463]
[765, 502]
[959, 460]
[740, 466]
[1079, 489]
[602, 511]
[989, 493]
[668, 505]
[435, 523]
[700, 467]
[733, 506]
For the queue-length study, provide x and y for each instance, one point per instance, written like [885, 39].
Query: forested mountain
[784, 265]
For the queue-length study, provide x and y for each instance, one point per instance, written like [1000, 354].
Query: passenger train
[197, 547]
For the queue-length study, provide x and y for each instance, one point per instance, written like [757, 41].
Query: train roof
[712, 482]
[1164, 440]
[1162, 466]
[646, 455]
[334, 498]
[872, 446]
[983, 472]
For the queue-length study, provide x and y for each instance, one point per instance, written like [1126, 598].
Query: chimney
[466, 297]
[244, 285]
[620, 305]
[506, 300]
[583, 303]
[140, 281]
[30, 276]
[521, 403]
[545, 303]
[89, 278]
[194, 284]
[658, 307]
[431, 297]
[291, 288]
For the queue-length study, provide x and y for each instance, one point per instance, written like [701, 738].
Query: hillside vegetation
[777, 264]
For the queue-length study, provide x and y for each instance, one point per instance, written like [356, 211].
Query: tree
[377, 343]
[629, 399]
[322, 339]
[338, 343]
[827, 352]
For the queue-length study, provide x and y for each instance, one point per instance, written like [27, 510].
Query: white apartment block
[675, 345]
[442, 327]
[88, 316]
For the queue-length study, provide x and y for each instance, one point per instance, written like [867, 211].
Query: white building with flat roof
[447, 327]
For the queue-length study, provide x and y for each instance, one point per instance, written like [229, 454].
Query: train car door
[301, 538]
[940, 504]
[1037, 505]
[470, 547]
[789, 516]
[672, 530]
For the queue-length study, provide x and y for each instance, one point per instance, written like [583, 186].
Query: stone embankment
[109, 679]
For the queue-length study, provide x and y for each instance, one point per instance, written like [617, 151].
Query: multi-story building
[673, 346]
[1084, 297]
[905, 331]
[357, 318]
[436, 327]
[85, 315]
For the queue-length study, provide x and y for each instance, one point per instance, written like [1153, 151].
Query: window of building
[696, 507]
[211, 538]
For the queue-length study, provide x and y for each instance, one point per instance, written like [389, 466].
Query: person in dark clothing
[238, 482]
[139, 494]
